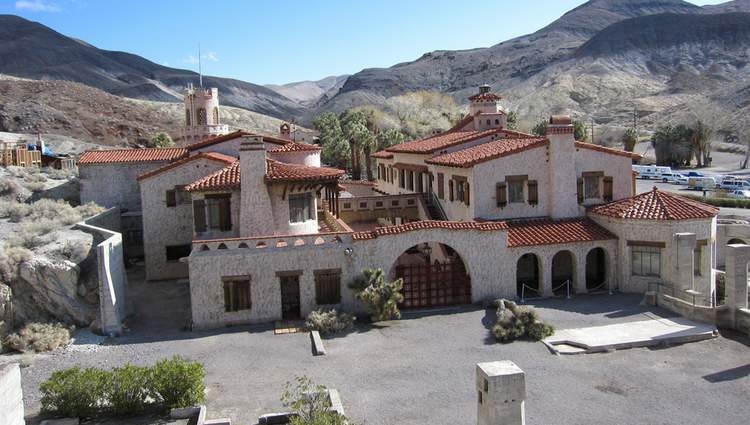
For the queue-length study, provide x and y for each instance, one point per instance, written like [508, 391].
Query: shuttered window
[501, 194]
[608, 186]
[441, 189]
[199, 215]
[533, 188]
[327, 286]
[171, 198]
[580, 190]
[219, 212]
[237, 293]
[450, 190]
[466, 194]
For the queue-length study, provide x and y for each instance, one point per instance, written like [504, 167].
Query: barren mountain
[308, 93]
[94, 116]
[31, 50]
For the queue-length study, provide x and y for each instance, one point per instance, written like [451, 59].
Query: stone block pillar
[501, 392]
[11, 396]
[683, 278]
[737, 257]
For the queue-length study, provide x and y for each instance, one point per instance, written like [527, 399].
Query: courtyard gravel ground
[420, 370]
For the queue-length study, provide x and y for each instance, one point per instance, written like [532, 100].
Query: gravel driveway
[420, 370]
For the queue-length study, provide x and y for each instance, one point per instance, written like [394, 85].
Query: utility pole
[635, 121]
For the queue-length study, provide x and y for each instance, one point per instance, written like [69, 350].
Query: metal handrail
[432, 199]
[523, 291]
[603, 284]
[566, 283]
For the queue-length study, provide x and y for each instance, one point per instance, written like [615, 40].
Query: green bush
[178, 382]
[74, 392]
[539, 330]
[515, 322]
[329, 321]
[129, 390]
[39, 337]
[380, 298]
[721, 202]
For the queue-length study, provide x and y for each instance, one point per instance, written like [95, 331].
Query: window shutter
[608, 185]
[450, 190]
[533, 192]
[227, 296]
[199, 215]
[441, 189]
[501, 195]
[466, 193]
[171, 198]
[580, 190]
[225, 214]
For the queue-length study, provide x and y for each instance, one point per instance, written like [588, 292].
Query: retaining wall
[113, 281]
[11, 396]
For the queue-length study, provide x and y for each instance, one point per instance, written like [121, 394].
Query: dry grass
[56, 174]
[39, 337]
[10, 190]
[75, 250]
[10, 259]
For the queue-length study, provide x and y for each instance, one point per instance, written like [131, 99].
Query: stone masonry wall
[114, 185]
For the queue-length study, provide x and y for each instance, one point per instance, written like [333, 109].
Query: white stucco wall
[309, 158]
[280, 212]
[616, 166]
[165, 226]
[114, 185]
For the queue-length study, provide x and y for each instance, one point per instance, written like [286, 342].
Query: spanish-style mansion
[263, 231]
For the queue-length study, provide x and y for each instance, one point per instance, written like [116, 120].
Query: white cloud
[211, 56]
[190, 59]
[37, 6]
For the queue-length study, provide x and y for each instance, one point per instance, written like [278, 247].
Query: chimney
[484, 88]
[562, 159]
[256, 218]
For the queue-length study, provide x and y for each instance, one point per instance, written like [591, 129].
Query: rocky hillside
[31, 50]
[310, 93]
[94, 116]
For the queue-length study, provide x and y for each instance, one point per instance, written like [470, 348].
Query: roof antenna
[200, 72]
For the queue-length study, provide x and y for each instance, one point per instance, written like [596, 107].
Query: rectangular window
[646, 260]
[410, 180]
[591, 187]
[466, 194]
[219, 212]
[515, 191]
[579, 190]
[171, 198]
[533, 188]
[441, 189]
[450, 190]
[300, 207]
[237, 293]
[199, 215]
[327, 286]
[182, 197]
[697, 260]
[401, 179]
[460, 191]
[175, 252]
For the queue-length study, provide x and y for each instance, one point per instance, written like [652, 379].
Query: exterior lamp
[348, 252]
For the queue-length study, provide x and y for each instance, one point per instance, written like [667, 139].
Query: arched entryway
[434, 275]
[527, 274]
[563, 271]
[736, 241]
[596, 269]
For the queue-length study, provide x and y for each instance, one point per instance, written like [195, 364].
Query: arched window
[216, 115]
[497, 122]
[202, 116]
[187, 117]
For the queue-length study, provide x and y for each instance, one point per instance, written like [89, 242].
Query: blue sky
[265, 41]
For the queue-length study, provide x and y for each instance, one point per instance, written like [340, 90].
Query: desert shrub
[515, 322]
[310, 404]
[56, 174]
[74, 392]
[32, 234]
[10, 189]
[379, 297]
[39, 337]
[10, 259]
[34, 186]
[178, 382]
[539, 330]
[35, 178]
[329, 321]
[129, 389]
[75, 250]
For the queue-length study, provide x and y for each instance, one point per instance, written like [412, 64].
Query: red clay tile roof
[442, 141]
[593, 147]
[656, 205]
[295, 147]
[233, 135]
[469, 157]
[230, 177]
[382, 155]
[283, 172]
[468, 119]
[429, 224]
[547, 231]
[225, 179]
[131, 155]
[216, 156]
[485, 96]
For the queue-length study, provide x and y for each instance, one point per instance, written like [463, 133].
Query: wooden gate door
[435, 285]
[290, 303]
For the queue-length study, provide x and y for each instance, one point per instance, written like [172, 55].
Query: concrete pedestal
[501, 392]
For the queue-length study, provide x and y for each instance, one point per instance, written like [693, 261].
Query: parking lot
[420, 370]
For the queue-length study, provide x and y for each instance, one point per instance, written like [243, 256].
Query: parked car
[651, 171]
[695, 174]
[669, 177]
[739, 194]
[735, 184]
[681, 179]
[701, 183]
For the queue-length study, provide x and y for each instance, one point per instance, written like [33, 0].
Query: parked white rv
[701, 183]
[651, 171]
